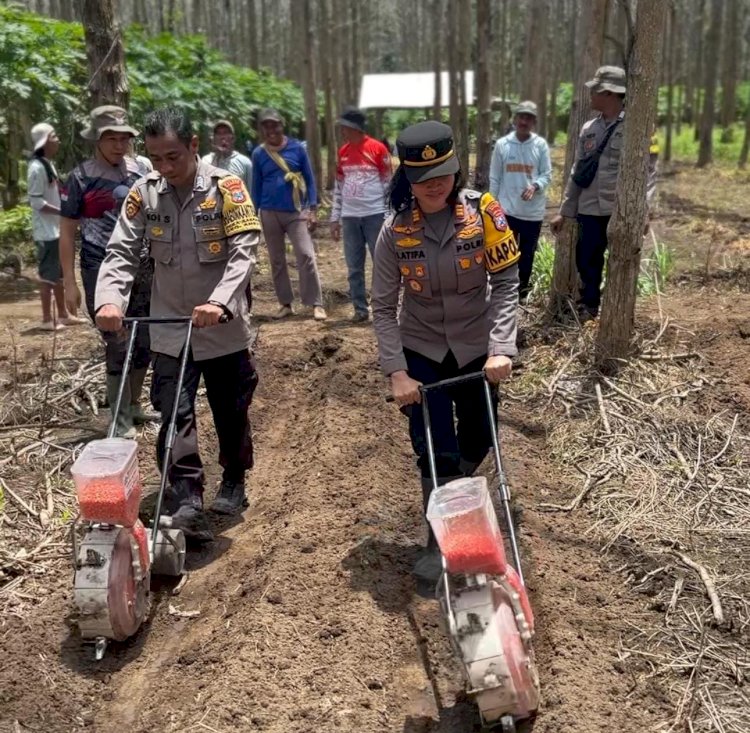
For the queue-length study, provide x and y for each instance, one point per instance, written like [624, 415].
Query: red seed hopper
[482, 595]
[117, 555]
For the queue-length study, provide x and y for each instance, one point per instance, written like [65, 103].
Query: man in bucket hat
[92, 198]
[590, 198]
[363, 173]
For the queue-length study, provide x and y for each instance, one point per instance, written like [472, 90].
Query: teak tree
[108, 82]
[626, 226]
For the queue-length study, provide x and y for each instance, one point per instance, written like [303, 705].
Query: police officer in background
[591, 199]
[202, 230]
[455, 257]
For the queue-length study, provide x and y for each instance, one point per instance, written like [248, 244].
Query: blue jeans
[360, 234]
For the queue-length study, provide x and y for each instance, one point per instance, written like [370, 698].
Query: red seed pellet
[473, 553]
[104, 500]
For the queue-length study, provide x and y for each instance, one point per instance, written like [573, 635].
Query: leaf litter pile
[663, 472]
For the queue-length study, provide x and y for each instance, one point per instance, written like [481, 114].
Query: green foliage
[43, 76]
[541, 273]
[188, 74]
[15, 230]
[655, 270]
[685, 146]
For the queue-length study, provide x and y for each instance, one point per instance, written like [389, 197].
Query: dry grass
[45, 417]
[668, 489]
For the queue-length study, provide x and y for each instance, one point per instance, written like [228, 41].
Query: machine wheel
[126, 599]
[508, 724]
[170, 556]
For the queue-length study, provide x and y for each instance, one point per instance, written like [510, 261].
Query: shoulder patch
[500, 247]
[492, 210]
[234, 188]
[237, 212]
[133, 203]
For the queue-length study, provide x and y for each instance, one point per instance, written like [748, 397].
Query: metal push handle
[171, 431]
[425, 389]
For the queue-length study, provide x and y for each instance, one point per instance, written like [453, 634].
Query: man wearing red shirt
[359, 201]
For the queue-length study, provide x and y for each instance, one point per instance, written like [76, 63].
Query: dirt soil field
[308, 620]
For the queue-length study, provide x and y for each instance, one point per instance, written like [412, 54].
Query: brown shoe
[319, 313]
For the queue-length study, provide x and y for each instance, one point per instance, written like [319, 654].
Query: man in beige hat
[92, 198]
[590, 190]
[224, 155]
[44, 199]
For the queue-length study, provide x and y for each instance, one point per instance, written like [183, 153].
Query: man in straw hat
[91, 201]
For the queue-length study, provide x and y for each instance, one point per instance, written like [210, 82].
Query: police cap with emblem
[425, 151]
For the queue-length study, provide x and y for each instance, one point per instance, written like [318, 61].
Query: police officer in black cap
[451, 251]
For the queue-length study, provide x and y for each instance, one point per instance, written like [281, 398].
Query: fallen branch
[707, 582]
[591, 482]
[19, 500]
[670, 357]
[602, 409]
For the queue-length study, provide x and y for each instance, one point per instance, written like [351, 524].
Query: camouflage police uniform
[203, 252]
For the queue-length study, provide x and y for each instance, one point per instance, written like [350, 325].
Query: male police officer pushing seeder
[202, 231]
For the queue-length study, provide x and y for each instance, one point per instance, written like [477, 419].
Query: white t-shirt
[44, 225]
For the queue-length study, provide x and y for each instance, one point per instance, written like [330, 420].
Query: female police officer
[455, 257]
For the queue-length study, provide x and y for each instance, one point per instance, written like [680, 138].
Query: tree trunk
[742, 162]
[557, 66]
[312, 134]
[693, 63]
[565, 277]
[453, 64]
[731, 53]
[251, 34]
[536, 42]
[464, 31]
[108, 82]
[669, 122]
[326, 69]
[710, 64]
[11, 175]
[625, 231]
[484, 110]
[437, 58]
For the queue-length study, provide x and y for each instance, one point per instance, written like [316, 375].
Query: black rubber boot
[140, 415]
[231, 498]
[429, 566]
[189, 516]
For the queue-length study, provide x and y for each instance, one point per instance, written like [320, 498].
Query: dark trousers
[116, 344]
[460, 442]
[526, 234]
[592, 244]
[230, 382]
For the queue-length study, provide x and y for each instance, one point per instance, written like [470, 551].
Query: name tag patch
[501, 254]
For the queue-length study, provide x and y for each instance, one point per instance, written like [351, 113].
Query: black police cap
[426, 151]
